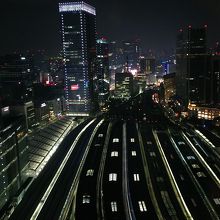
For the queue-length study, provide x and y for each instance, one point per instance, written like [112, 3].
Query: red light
[74, 87]
[181, 30]
[189, 26]
[205, 26]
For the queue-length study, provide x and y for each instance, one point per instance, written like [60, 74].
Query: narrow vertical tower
[78, 23]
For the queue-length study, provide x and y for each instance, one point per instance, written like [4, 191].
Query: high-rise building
[169, 65]
[115, 56]
[215, 72]
[131, 53]
[116, 61]
[103, 75]
[169, 86]
[15, 78]
[123, 85]
[78, 22]
[147, 65]
[192, 75]
[13, 156]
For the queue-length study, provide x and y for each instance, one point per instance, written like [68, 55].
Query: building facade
[192, 75]
[123, 85]
[15, 78]
[131, 54]
[215, 79]
[169, 86]
[103, 74]
[78, 23]
[13, 157]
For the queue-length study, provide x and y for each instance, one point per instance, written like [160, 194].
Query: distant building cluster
[197, 72]
[31, 96]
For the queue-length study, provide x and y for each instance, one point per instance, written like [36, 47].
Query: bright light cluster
[76, 6]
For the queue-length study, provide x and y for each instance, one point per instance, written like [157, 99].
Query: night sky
[34, 24]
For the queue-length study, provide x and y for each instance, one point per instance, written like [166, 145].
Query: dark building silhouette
[131, 54]
[103, 75]
[15, 78]
[78, 26]
[192, 75]
[215, 80]
[147, 65]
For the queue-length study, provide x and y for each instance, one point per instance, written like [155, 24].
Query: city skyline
[100, 118]
[35, 25]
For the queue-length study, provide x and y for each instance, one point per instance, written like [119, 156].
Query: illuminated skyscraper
[78, 22]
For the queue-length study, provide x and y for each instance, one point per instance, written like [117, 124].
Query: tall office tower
[215, 71]
[147, 65]
[123, 85]
[131, 52]
[103, 76]
[169, 86]
[192, 75]
[116, 61]
[115, 56]
[15, 78]
[78, 22]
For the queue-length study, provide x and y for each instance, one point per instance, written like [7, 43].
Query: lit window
[90, 172]
[114, 154]
[114, 206]
[136, 177]
[115, 140]
[195, 166]
[190, 157]
[201, 174]
[133, 153]
[152, 154]
[217, 201]
[112, 177]
[86, 199]
[142, 206]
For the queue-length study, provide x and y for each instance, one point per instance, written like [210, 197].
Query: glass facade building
[78, 23]
[14, 160]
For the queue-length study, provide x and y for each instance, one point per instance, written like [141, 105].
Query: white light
[5, 109]
[43, 105]
[76, 6]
